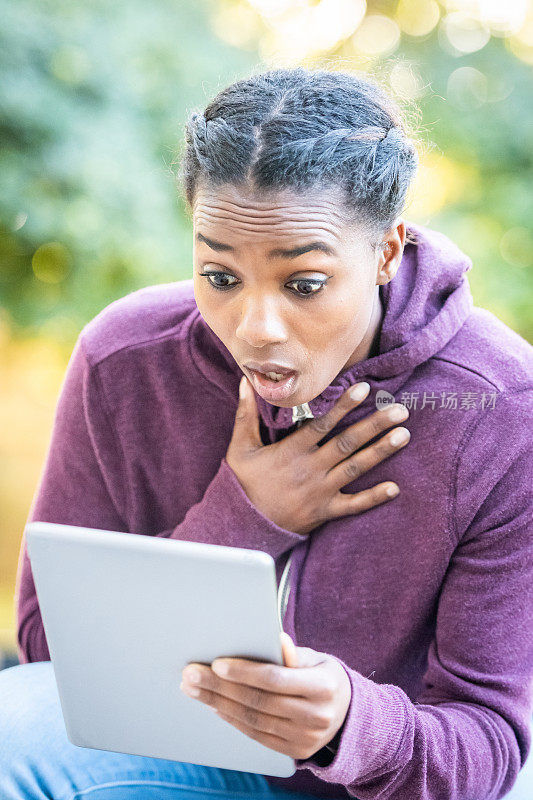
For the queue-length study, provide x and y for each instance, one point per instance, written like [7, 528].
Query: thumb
[290, 657]
[246, 427]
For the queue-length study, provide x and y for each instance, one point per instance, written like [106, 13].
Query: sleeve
[227, 516]
[468, 733]
[83, 483]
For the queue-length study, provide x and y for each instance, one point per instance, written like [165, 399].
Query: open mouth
[275, 376]
[273, 386]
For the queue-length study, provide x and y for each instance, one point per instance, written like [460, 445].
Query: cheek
[211, 311]
[347, 321]
[351, 311]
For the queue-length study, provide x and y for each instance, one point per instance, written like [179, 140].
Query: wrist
[326, 754]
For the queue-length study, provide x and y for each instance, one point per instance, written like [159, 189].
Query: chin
[297, 400]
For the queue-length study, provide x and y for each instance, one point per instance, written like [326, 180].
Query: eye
[309, 283]
[210, 275]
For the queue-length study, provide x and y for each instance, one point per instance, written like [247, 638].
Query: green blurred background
[93, 98]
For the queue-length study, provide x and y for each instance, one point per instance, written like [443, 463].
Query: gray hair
[300, 128]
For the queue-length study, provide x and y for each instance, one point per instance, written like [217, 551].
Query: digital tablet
[124, 613]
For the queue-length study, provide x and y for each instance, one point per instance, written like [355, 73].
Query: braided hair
[300, 128]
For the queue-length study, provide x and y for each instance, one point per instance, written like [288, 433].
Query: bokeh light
[521, 43]
[298, 30]
[467, 88]
[51, 262]
[377, 36]
[417, 17]
[20, 220]
[70, 64]
[516, 247]
[236, 23]
[463, 33]
[503, 17]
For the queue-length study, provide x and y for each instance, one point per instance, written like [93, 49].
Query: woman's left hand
[294, 711]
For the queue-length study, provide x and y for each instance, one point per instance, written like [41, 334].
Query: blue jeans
[38, 762]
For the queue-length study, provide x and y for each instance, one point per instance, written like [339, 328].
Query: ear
[390, 254]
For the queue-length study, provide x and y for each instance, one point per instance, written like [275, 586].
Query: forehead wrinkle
[241, 218]
[274, 218]
[280, 228]
[235, 210]
[295, 216]
[250, 224]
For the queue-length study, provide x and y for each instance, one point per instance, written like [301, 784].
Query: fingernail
[398, 413]
[220, 668]
[399, 437]
[242, 387]
[359, 391]
[193, 676]
[392, 491]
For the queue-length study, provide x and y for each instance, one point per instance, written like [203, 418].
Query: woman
[414, 672]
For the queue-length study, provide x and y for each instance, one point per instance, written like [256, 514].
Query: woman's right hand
[295, 482]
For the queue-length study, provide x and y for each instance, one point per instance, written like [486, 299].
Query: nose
[261, 324]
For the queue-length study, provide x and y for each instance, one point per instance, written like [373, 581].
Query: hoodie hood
[424, 306]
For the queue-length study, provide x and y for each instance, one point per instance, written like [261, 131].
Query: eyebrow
[277, 252]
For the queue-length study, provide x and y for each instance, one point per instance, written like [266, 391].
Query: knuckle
[382, 448]
[251, 718]
[352, 468]
[321, 722]
[255, 697]
[321, 425]
[344, 443]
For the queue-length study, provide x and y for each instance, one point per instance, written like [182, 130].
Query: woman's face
[302, 282]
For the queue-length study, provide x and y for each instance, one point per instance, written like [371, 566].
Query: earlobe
[383, 278]
[390, 256]
[387, 270]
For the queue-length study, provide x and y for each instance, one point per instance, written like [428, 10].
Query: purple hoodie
[425, 600]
